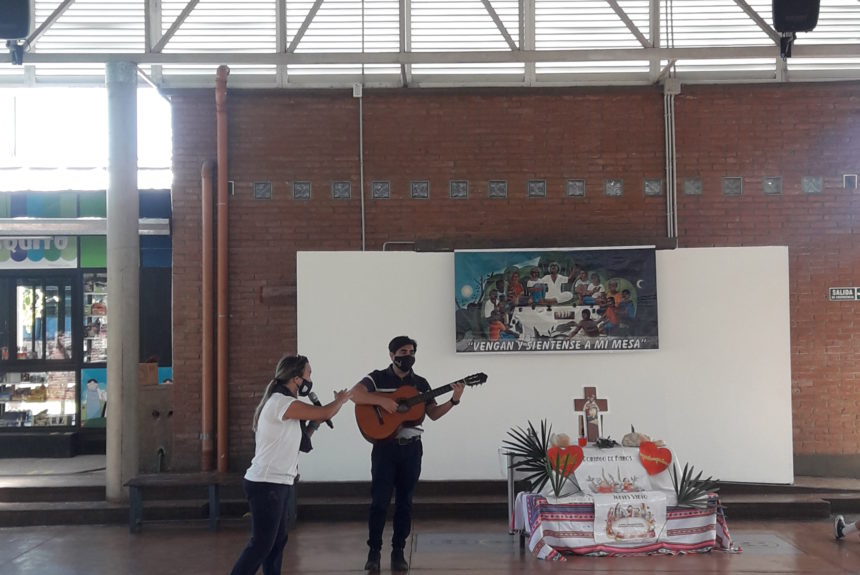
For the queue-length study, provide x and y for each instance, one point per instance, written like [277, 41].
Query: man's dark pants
[395, 467]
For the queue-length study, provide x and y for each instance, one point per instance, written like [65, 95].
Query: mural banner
[556, 300]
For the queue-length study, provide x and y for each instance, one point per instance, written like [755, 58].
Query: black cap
[400, 341]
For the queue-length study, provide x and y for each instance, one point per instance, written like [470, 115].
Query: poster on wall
[49, 252]
[93, 397]
[560, 300]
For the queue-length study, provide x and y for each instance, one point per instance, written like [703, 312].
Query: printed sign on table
[629, 517]
[612, 471]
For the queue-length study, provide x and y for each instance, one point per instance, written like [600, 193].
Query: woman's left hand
[342, 396]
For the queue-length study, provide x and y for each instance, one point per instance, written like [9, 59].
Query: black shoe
[398, 561]
[373, 557]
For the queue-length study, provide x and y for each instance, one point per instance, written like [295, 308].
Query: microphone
[316, 401]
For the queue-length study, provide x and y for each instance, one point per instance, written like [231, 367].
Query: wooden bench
[213, 481]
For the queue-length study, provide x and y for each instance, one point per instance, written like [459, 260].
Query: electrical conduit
[222, 295]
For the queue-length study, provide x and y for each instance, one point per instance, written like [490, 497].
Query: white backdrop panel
[718, 391]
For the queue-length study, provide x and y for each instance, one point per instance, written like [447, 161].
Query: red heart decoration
[568, 458]
[654, 459]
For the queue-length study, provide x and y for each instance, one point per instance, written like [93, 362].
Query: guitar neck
[423, 397]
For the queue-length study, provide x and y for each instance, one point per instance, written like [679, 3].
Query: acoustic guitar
[376, 424]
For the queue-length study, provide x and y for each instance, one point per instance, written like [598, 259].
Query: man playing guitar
[396, 461]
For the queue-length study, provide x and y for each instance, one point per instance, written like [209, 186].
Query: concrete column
[123, 272]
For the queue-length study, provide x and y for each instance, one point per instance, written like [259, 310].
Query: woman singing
[269, 480]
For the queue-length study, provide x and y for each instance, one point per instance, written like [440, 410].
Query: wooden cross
[590, 419]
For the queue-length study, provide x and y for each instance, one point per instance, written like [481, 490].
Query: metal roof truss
[395, 43]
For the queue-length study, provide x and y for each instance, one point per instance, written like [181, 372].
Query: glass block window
[419, 189]
[536, 189]
[262, 190]
[380, 190]
[812, 184]
[693, 186]
[653, 187]
[497, 189]
[459, 189]
[301, 190]
[341, 190]
[733, 186]
[772, 186]
[614, 188]
[574, 189]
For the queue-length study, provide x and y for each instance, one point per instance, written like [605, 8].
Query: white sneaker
[838, 526]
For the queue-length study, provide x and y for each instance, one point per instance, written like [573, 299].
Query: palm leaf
[692, 491]
[555, 473]
[529, 449]
[556, 479]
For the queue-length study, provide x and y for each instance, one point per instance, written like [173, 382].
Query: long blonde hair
[288, 367]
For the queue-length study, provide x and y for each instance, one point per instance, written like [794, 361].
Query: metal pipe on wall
[360, 89]
[671, 187]
[361, 168]
[222, 294]
[207, 393]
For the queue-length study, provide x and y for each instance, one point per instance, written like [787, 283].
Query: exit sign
[845, 294]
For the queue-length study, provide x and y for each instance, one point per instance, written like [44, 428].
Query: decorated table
[558, 526]
[619, 501]
[599, 497]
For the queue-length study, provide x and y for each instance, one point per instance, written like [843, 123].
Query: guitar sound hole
[402, 408]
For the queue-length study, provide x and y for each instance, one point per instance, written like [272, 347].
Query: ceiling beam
[304, 27]
[49, 21]
[629, 23]
[29, 227]
[281, 39]
[499, 24]
[175, 26]
[665, 71]
[528, 36]
[654, 34]
[397, 58]
[405, 40]
[750, 11]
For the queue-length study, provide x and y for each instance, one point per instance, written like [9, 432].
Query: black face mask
[404, 362]
[306, 387]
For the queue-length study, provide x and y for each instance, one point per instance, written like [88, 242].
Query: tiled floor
[438, 547]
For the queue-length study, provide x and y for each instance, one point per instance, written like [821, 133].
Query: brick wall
[520, 135]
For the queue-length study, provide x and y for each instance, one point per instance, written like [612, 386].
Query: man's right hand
[389, 405]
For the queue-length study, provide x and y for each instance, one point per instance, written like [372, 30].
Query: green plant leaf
[692, 491]
[530, 448]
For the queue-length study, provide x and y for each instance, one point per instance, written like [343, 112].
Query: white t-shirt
[276, 457]
[554, 287]
[489, 307]
[596, 290]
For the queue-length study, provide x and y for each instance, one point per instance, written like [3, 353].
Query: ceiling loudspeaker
[795, 15]
[15, 18]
